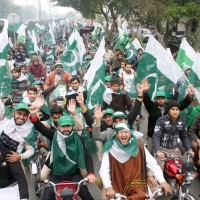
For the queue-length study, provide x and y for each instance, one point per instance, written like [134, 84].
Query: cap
[119, 114]
[160, 94]
[36, 83]
[172, 104]
[108, 111]
[186, 67]
[21, 106]
[58, 64]
[88, 57]
[121, 126]
[65, 120]
[34, 52]
[108, 78]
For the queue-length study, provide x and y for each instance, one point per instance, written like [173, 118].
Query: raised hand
[145, 84]
[39, 102]
[72, 106]
[98, 114]
[140, 89]
[191, 90]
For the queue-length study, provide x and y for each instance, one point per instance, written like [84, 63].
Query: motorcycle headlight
[190, 176]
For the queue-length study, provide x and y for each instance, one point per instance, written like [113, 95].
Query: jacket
[155, 112]
[166, 134]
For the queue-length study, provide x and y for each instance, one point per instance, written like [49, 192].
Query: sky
[44, 6]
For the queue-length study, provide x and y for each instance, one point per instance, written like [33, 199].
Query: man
[20, 83]
[59, 75]
[74, 89]
[169, 128]
[138, 58]
[108, 54]
[68, 153]
[182, 81]
[123, 167]
[158, 108]
[107, 81]
[37, 69]
[17, 128]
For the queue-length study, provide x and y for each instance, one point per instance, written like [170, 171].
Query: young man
[127, 77]
[68, 153]
[167, 130]
[20, 83]
[58, 75]
[17, 128]
[116, 98]
[74, 89]
[123, 167]
[38, 70]
[107, 81]
[158, 108]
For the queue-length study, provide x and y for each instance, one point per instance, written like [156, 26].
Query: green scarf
[67, 154]
[130, 148]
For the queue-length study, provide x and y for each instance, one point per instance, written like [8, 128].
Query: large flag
[5, 85]
[159, 67]
[71, 56]
[188, 57]
[131, 50]
[95, 78]
[80, 46]
[18, 28]
[50, 38]
[122, 39]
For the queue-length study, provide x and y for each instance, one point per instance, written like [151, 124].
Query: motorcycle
[66, 190]
[180, 175]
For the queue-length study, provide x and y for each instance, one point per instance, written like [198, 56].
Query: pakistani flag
[50, 39]
[49, 56]
[159, 67]
[18, 28]
[71, 58]
[80, 46]
[187, 56]
[95, 33]
[95, 77]
[122, 39]
[35, 43]
[5, 85]
[131, 50]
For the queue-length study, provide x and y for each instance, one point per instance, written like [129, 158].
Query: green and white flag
[71, 56]
[5, 84]
[95, 77]
[50, 39]
[122, 39]
[131, 50]
[159, 67]
[80, 46]
[18, 28]
[49, 56]
[95, 34]
[187, 56]
[34, 40]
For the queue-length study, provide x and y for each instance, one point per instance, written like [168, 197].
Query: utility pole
[39, 10]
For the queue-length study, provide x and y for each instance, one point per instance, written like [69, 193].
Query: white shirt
[150, 163]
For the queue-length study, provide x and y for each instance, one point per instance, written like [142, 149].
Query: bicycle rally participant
[68, 153]
[168, 129]
[123, 167]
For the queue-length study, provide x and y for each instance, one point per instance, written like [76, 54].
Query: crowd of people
[128, 166]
